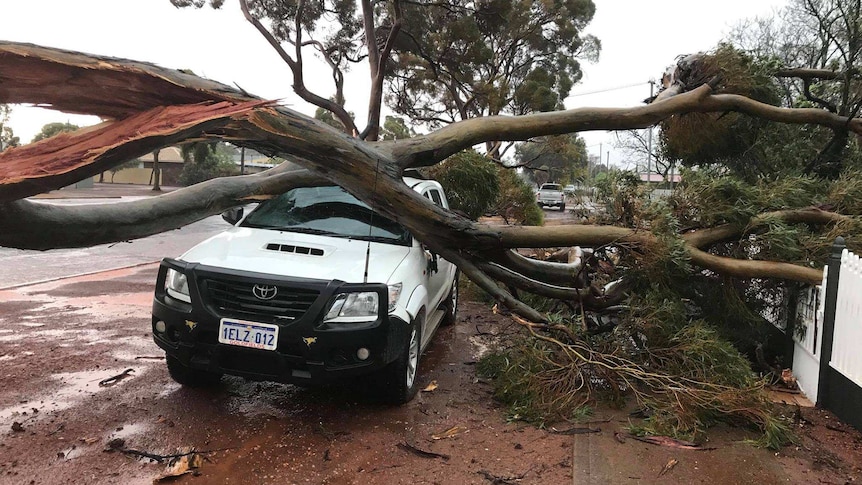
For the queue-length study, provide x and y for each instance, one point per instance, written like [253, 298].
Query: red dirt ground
[58, 340]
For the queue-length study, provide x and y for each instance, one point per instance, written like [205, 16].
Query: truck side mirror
[232, 216]
[431, 259]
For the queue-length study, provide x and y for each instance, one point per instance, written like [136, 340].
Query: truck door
[438, 281]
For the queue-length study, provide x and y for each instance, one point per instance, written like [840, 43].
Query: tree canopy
[558, 158]
[7, 136]
[52, 129]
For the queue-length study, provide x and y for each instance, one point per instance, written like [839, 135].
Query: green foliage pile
[517, 200]
[684, 346]
[476, 186]
[470, 182]
[677, 367]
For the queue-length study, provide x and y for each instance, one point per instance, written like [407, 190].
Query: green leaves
[490, 57]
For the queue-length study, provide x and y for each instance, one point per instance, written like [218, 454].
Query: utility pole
[649, 136]
[609, 160]
[600, 156]
[242, 160]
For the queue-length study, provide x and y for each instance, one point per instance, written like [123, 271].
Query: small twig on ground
[668, 466]
[576, 430]
[670, 442]
[119, 445]
[150, 357]
[834, 428]
[424, 454]
[110, 381]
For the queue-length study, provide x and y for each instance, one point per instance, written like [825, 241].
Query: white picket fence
[846, 356]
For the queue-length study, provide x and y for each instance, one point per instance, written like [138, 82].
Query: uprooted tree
[664, 262]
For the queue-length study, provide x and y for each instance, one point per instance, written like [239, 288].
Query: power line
[606, 90]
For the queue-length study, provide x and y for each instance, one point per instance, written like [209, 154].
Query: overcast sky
[639, 40]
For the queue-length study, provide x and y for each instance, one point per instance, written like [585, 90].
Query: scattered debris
[110, 381]
[497, 480]
[17, 427]
[59, 428]
[326, 456]
[576, 430]
[418, 452]
[185, 461]
[430, 387]
[671, 442]
[331, 435]
[150, 357]
[619, 437]
[88, 441]
[668, 466]
[788, 379]
[163, 420]
[454, 430]
[116, 444]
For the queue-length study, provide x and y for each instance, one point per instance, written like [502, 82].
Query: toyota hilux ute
[551, 194]
[309, 287]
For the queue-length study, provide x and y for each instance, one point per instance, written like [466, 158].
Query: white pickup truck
[551, 195]
[311, 286]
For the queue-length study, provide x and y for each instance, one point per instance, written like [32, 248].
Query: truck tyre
[451, 304]
[562, 207]
[397, 380]
[189, 377]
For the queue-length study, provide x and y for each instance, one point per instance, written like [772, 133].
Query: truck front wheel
[397, 381]
[451, 304]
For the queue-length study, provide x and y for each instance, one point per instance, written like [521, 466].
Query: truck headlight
[394, 293]
[177, 285]
[353, 308]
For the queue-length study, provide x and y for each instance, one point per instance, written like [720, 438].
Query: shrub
[470, 181]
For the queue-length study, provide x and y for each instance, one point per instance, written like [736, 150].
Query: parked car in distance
[309, 287]
[569, 190]
[551, 195]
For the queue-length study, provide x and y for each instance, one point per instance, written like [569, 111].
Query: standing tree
[559, 158]
[53, 129]
[7, 136]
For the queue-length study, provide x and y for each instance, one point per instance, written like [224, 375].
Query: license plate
[248, 334]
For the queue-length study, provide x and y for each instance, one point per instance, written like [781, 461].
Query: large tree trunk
[157, 173]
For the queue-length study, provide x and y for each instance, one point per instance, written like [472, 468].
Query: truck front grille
[235, 299]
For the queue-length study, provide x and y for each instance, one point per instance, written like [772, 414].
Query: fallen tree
[151, 107]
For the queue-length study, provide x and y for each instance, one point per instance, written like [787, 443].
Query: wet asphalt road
[22, 267]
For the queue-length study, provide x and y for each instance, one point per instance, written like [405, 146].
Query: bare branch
[296, 68]
[34, 225]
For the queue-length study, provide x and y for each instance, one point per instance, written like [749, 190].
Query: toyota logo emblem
[264, 292]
